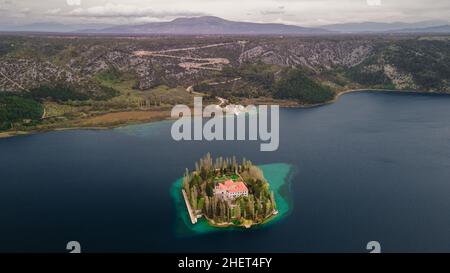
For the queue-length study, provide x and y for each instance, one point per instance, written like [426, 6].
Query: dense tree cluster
[427, 61]
[62, 92]
[18, 109]
[297, 85]
[259, 80]
[57, 92]
[367, 77]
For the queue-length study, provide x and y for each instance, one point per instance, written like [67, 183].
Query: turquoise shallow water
[279, 177]
[153, 129]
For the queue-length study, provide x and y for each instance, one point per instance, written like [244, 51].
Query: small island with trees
[227, 193]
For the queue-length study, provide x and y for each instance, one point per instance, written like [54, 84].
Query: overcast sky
[297, 12]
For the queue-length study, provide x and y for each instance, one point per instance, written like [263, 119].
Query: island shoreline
[281, 175]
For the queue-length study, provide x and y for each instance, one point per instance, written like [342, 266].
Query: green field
[233, 177]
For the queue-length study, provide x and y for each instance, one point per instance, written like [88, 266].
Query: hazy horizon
[306, 13]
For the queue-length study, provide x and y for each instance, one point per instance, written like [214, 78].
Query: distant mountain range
[424, 26]
[210, 25]
[54, 27]
[436, 29]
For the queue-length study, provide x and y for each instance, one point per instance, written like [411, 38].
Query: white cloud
[53, 11]
[127, 11]
[374, 2]
[73, 2]
[298, 12]
[277, 11]
[5, 5]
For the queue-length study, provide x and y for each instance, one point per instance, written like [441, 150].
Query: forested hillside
[79, 77]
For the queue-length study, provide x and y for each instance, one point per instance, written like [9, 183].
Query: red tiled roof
[231, 186]
[229, 183]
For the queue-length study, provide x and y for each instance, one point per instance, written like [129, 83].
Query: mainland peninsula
[227, 193]
[61, 81]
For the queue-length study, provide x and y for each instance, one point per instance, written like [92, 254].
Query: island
[227, 193]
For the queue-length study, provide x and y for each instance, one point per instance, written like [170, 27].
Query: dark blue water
[373, 166]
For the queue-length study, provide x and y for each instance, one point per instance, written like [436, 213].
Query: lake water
[373, 166]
